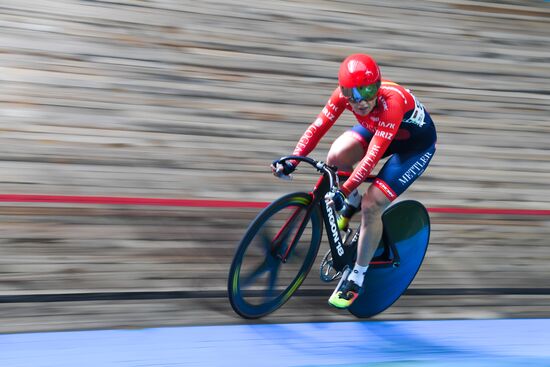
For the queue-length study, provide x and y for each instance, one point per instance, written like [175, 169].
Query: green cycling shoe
[345, 295]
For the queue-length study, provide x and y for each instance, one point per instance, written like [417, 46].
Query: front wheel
[275, 255]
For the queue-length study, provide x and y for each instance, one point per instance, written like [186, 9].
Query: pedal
[343, 277]
[326, 270]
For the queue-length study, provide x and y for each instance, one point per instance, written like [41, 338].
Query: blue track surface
[402, 343]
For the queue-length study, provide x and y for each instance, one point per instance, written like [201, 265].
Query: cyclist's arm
[326, 118]
[384, 135]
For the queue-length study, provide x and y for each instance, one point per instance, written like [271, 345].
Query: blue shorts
[408, 159]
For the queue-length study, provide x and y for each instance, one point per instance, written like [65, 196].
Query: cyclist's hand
[282, 169]
[337, 198]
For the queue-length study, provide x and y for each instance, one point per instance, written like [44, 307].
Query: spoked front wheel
[275, 255]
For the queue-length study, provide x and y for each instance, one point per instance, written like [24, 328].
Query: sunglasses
[358, 94]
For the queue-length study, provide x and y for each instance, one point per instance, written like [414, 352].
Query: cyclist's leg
[372, 207]
[352, 146]
[399, 172]
[349, 148]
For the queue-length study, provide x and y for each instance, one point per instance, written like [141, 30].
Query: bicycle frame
[274, 235]
[342, 254]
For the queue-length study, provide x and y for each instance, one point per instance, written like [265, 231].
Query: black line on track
[160, 295]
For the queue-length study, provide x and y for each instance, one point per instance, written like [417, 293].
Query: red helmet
[358, 70]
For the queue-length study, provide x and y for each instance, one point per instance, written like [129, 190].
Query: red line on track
[490, 211]
[117, 200]
[211, 203]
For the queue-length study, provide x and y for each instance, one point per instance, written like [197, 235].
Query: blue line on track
[471, 343]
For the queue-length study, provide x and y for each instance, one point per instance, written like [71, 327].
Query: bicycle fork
[286, 230]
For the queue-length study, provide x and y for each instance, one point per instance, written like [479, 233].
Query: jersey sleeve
[324, 121]
[389, 123]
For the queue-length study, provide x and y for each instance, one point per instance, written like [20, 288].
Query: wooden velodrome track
[185, 99]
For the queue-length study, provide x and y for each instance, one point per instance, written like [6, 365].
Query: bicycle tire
[257, 300]
[384, 286]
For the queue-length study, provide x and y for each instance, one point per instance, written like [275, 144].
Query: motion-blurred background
[193, 100]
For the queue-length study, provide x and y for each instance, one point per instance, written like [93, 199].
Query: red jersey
[393, 102]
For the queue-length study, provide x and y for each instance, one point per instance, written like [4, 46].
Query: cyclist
[392, 123]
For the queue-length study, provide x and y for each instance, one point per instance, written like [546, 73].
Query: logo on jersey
[417, 117]
[305, 139]
[388, 125]
[416, 169]
[385, 188]
[331, 116]
[416, 122]
[367, 164]
[384, 104]
[384, 134]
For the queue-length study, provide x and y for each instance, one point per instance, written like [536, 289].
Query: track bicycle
[281, 244]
